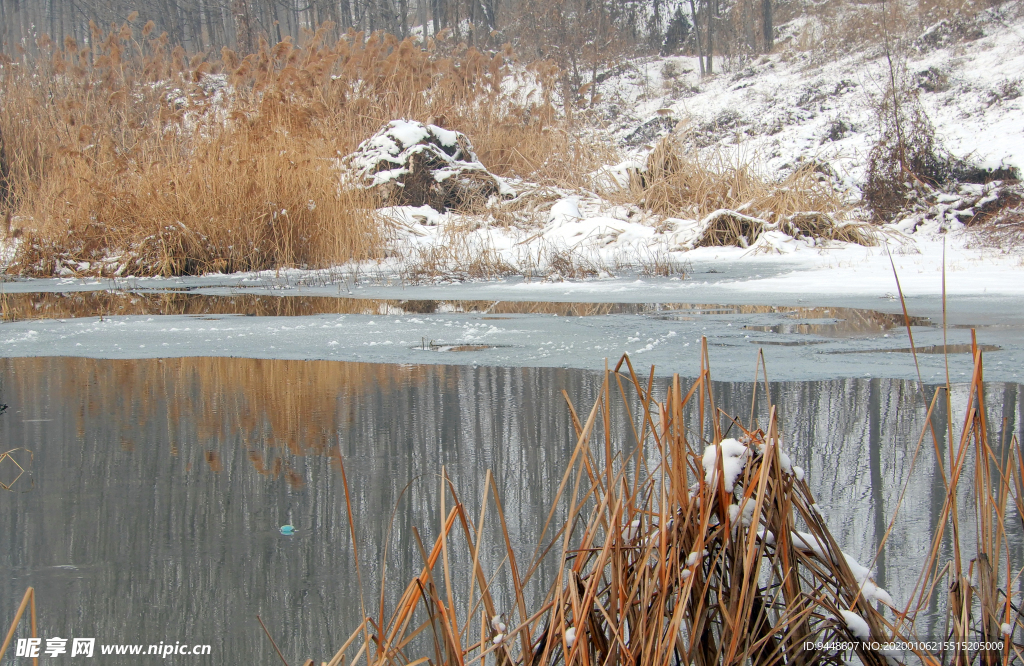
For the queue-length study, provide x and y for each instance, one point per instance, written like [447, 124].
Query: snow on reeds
[129, 157]
[696, 546]
[736, 204]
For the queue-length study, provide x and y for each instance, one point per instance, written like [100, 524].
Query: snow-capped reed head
[742, 514]
[856, 624]
[733, 457]
[570, 636]
[498, 625]
[498, 639]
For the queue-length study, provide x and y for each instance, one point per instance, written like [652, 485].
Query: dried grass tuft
[669, 554]
[735, 204]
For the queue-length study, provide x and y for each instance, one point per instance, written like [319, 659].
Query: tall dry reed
[680, 179]
[683, 546]
[735, 202]
[128, 156]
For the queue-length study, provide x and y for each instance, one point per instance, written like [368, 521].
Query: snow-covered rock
[417, 164]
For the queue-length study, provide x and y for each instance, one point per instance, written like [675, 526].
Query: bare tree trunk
[403, 16]
[709, 69]
[490, 12]
[696, 36]
[769, 29]
[456, 20]
[243, 27]
[213, 39]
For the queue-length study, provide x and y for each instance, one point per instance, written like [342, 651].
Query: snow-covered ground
[792, 105]
[775, 113]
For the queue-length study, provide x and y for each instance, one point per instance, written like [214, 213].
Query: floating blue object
[287, 530]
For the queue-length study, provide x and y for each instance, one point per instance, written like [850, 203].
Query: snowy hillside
[792, 105]
[773, 114]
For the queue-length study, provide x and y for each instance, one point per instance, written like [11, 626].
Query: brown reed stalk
[27, 602]
[661, 558]
[135, 158]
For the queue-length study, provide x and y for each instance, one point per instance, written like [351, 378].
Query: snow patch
[856, 624]
[734, 457]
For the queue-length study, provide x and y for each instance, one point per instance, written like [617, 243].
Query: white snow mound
[856, 624]
[734, 457]
[418, 164]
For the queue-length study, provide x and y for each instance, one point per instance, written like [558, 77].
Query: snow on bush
[734, 456]
[416, 164]
[856, 624]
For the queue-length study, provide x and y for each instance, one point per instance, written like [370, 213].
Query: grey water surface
[155, 488]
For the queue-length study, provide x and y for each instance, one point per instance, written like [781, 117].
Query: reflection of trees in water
[275, 409]
[154, 525]
[165, 483]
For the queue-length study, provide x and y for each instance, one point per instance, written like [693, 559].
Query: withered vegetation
[670, 554]
[128, 156]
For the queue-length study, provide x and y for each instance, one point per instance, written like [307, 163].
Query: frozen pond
[175, 425]
[813, 338]
[157, 487]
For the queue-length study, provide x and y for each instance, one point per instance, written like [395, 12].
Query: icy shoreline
[798, 343]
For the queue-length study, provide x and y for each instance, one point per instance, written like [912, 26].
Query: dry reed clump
[150, 165]
[690, 546]
[734, 203]
[550, 155]
[238, 203]
[151, 161]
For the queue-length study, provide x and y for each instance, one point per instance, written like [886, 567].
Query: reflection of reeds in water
[846, 322]
[696, 548]
[278, 409]
[67, 305]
